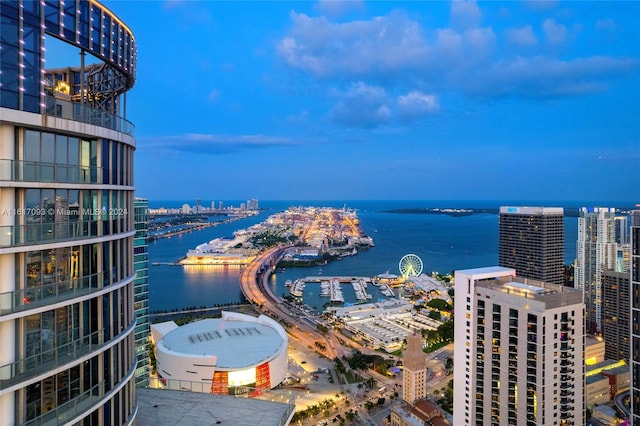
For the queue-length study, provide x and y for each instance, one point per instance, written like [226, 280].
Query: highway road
[253, 280]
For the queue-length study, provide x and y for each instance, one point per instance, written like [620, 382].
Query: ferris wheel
[410, 265]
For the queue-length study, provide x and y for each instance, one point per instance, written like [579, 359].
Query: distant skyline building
[414, 376]
[141, 288]
[518, 350]
[596, 251]
[615, 311]
[635, 320]
[67, 321]
[622, 229]
[532, 242]
[252, 204]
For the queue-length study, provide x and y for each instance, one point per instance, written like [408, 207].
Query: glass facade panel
[52, 267]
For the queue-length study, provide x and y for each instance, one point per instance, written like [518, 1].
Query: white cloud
[416, 104]
[522, 36]
[382, 44]
[361, 106]
[396, 54]
[206, 143]
[465, 14]
[336, 8]
[540, 5]
[555, 33]
[544, 77]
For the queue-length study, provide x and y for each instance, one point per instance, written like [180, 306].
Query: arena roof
[235, 344]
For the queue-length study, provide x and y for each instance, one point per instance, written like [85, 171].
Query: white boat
[298, 288]
[325, 289]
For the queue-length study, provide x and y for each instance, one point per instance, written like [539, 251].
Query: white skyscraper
[596, 251]
[519, 349]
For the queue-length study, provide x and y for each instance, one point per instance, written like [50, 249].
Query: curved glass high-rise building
[66, 216]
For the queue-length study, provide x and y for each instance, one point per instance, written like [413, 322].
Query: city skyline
[385, 100]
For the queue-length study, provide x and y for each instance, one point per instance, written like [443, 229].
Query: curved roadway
[253, 280]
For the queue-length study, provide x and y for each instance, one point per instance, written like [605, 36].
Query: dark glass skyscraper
[67, 323]
[615, 314]
[532, 242]
[141, 288]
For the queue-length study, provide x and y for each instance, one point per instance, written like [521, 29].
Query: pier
[331, 287]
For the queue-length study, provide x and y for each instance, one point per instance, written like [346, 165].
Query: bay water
[444, 243]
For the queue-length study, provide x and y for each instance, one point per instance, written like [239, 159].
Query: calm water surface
[444, 244]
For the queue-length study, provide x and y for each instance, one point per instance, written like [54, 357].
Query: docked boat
[325, 289]
[336, 292]
[297, 288]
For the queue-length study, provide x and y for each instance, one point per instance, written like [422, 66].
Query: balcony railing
[78, 405]
[41, 233]
[47, 361]
[77, 112]
[34, 297]
[70, 409]
[34, 171]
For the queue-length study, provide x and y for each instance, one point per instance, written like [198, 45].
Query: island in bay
[313, 236]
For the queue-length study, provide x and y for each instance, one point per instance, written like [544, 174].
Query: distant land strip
[568, 212]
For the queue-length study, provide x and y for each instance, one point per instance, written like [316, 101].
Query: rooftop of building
[421, 412]
[552, 295]
[493, 271]
[607, 365]
[160, 407]
[590, 340]
[595, 378]
[367, 310]
[527, 210]
[234, 343]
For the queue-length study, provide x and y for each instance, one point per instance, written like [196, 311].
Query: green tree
[435, 315]
[440, 305]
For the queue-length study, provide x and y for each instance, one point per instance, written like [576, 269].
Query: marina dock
[331, 287]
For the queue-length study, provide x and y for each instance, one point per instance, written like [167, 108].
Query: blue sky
[386, 100]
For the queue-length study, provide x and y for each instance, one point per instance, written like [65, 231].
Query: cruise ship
[216, 252]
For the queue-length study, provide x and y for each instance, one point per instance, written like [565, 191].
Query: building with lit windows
[532, 242]
[596, 251]
[66, 233]
[234, 354]
[635, 320]
[615, 312]
[141, 288]
[518, 350]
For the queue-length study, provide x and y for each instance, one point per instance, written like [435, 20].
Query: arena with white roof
[234, 354]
